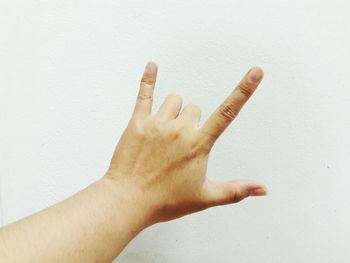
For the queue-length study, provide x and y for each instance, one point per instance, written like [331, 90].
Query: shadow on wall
[142, 257]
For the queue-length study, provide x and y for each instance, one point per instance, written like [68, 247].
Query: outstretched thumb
[222, 193]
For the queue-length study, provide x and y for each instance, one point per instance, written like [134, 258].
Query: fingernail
[151, 67]
[258, 191]
[255, 75]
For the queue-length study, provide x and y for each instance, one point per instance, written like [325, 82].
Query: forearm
[94, 225]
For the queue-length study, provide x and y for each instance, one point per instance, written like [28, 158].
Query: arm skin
[157, 173]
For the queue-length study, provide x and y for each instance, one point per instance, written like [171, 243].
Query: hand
[164, 156]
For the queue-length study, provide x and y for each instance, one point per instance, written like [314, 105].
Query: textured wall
[69, 74]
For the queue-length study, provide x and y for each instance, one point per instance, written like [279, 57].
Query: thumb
[222, 193]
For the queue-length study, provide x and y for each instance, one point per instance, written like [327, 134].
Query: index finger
[229, 109]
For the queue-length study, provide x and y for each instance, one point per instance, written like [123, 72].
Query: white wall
[69, 73]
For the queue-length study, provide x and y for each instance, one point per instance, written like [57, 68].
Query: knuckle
[192, 153]
[245, 90]
[232, 196]
[175, 133]
[144, 97]
[228, 111]
[147, 80]
[137, 129]
[201, 147]
[235, 195]
[157, 127]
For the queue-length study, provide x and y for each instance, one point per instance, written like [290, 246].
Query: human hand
[162, 158]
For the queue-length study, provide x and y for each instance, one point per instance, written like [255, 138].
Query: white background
[69, 74]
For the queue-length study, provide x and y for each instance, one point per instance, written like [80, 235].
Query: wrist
[129, 200]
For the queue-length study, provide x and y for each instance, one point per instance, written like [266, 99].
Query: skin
[157, 173]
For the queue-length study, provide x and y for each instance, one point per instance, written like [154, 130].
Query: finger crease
[144, 97]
